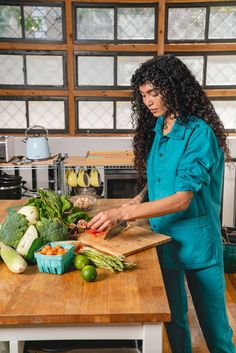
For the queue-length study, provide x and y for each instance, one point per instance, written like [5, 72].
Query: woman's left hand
[106, 219]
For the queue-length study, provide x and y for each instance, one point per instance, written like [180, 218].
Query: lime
[80, 261]
[88, 273]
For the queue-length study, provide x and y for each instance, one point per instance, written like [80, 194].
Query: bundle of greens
[51, 205]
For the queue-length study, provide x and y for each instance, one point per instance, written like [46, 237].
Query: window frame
[24, 54]
[28, 99]
[115, 6]
[101, 99]
[207, 6]
[36, 3]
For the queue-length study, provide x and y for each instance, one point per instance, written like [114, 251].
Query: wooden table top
[99, 158]
[34, 298]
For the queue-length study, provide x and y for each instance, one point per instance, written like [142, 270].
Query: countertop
[92, 158]
[34, 298]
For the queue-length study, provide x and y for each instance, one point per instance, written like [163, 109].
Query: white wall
[79, 146]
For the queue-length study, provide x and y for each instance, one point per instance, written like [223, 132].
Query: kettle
[37, 146]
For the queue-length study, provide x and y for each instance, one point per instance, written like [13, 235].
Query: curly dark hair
[182, 96]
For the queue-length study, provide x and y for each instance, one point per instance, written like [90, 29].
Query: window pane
[123, 115]
[95, 23]
[95, 71]
[227, 112]
[126, 65]
[195, 64]
[50, 114]
[43, 22]
[136, 23]
[11, 72]
[222, 22]
[189, 26]
[95, 115]
[12, 114]
[10, 26]
[44, 70]
[221, 70]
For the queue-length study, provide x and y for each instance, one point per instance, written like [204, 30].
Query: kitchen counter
[126, 305]
[92, 158]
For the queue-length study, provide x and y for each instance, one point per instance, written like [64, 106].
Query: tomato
[96, 233]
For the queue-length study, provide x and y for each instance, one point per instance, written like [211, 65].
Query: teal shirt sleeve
[198, 161]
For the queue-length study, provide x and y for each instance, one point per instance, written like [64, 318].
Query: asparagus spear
[109, 262]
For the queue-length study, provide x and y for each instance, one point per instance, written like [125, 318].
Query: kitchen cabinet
[128, 305]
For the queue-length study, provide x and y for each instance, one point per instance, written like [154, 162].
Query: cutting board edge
[135, 251]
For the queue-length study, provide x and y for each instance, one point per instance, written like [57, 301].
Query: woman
[180, 142]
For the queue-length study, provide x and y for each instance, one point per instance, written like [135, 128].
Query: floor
[198, 342]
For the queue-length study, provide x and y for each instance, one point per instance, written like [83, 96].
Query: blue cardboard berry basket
[56, 264]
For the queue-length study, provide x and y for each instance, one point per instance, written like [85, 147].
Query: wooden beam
[221, 92]
[33, 93]
[102, 93]
[70, 67]
[115, 2]
[32, 46]
[161, 27]
[97, 93]
[200, 47]
[196, 1]
[116, 47]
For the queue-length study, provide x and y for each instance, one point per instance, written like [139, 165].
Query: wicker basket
[229, 249]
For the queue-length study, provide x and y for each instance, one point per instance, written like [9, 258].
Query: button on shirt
[188, 158]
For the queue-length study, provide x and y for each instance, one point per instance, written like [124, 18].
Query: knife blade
[116, 229]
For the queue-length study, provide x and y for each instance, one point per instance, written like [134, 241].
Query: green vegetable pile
[41, 220]
[51, 205]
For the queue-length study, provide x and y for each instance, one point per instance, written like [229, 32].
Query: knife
[116, 229]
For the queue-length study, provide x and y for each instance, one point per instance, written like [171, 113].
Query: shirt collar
[177, 132]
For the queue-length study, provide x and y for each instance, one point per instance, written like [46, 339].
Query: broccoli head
[51, 230]
[13, 228]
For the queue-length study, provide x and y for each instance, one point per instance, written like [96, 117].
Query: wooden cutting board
[128, 242]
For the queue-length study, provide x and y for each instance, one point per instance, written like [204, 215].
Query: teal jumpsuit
[189, 158]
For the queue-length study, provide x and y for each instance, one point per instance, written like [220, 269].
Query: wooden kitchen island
[128, 305]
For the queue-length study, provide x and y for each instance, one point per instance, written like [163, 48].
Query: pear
[82, 178]
[71, 178]
[95, 178]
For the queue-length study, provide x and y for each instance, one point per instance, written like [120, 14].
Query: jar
[86, 198]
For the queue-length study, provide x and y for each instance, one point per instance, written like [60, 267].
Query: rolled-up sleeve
[201, 155]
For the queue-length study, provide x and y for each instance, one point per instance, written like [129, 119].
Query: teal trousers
[207, 288]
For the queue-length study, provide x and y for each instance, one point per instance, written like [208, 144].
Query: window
[115, 23]
[108, 70]
[44, 22]
[67, 64]
[24, 112]
[202, 23]
[33, 69]
[99, 115]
